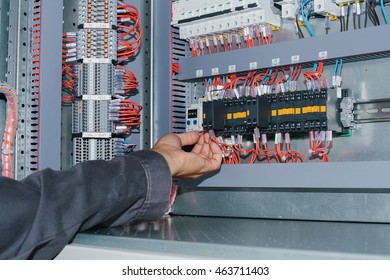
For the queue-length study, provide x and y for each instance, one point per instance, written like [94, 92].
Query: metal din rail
[372, 111]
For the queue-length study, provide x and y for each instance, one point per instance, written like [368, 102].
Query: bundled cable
[7, 148]
[69, 82]
[315, 79]
[69, 77]
[233, 151]
[175, 68]
[306, 9]
[125, 80]
[292, 156]
[224, 42]
[122, 148]
[320, 143]
[129, 31]
[336, 78]
[125, 114]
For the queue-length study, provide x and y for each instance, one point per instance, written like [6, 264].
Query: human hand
[205, 157]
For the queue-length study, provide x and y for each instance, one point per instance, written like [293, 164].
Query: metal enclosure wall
[38, 134]
[352, 188]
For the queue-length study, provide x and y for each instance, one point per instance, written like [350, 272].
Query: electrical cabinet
[294, 93]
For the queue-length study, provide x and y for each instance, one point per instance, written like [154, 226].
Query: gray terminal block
[96, 79]
[85, 149]
[97, 14]
[91, 115]
[97, 45]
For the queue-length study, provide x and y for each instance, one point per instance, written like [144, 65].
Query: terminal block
[208, 19]
[101, 14]
[97, 46]
[96, 79]
[294, 112]
[185, 11]
[92, 149]
[91, 114]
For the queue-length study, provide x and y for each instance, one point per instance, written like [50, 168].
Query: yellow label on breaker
[281, 112]
[323, 109]
[307, 110]
[239, 115]
[229, 116]
[290, 111]
[273, 113]
[315, 109]
[297, 111]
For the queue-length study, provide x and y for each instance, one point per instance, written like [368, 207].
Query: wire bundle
[233, 151]
[225, 42]
[175, 68]
[306, 9]
[7, 148]
[122, 148]
[320, 143]
[69, 82]
[129, 31]
[315, 79]
[125, 114]
[254, 83]
[125, 80]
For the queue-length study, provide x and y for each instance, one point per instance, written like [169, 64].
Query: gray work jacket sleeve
[42, 213]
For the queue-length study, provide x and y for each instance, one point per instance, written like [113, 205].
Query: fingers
[216, 153]
[198, 147]
[206, 137]
[189, 138]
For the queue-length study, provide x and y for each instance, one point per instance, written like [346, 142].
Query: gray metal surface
[229, 238]
[161, 69]
[145, 74]
[17, 76]
[331, 175]
[308, 50]
[372, 111]
[4, 22]
[20, 74]
[302, 204]
[83, 252]
[50, 94]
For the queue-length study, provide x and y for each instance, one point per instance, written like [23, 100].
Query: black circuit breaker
[294, 112]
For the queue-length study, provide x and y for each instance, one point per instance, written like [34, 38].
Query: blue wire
[290, 76]
[384, 12]
[306, 17]
[315, 67]
[335, 68]
[270, 72]
[340, 67]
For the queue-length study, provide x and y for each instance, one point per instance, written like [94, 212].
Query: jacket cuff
[159, 185]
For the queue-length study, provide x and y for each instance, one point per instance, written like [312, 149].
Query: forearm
[93, 193]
